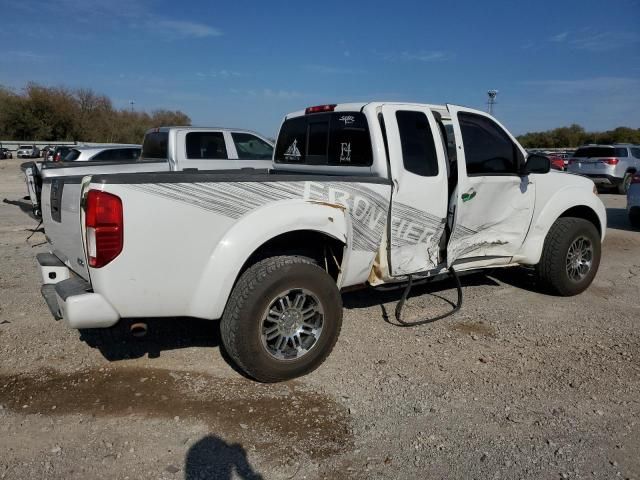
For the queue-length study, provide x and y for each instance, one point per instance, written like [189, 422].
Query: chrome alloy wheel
[579, 258]
[292, 324]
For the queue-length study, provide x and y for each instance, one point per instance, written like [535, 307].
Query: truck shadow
[26, 207]
[370, 297]
[618, 219]
[117, 343]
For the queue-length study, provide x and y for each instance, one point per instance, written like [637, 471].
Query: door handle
[470, 195]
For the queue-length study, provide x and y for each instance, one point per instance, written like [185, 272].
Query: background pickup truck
[375, 193]
[163, 149]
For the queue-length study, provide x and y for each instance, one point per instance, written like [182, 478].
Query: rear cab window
[155, 146]
[335, 138]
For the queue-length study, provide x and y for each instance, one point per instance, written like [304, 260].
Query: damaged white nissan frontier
[360, 193]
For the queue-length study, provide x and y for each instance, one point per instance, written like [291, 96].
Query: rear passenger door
[493, 203]
[419, 195]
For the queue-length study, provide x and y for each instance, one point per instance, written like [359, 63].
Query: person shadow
[211, 458]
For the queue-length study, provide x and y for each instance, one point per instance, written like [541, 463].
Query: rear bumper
[601, 179]
[70, 297]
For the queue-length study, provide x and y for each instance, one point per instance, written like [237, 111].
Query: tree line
[81, 115]
[575, 135]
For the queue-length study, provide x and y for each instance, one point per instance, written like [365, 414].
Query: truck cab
[464, 191]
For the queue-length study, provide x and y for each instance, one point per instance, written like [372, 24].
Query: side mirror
[536, 164]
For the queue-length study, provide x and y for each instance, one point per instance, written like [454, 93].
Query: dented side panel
[492, 218]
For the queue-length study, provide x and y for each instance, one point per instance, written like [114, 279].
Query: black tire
[623, 187]
[552, 270]
[257, 288]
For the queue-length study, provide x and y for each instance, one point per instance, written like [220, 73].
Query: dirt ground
[519, 384]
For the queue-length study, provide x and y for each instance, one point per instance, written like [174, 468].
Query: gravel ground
[519, 384]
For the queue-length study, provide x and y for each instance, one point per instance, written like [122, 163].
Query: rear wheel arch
[327, 251]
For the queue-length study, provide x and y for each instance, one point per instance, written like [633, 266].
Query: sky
[247, 63]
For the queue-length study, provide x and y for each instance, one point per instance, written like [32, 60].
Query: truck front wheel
[570, 256]
[282, 319]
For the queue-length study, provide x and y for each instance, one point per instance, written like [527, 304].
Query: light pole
[131, 102]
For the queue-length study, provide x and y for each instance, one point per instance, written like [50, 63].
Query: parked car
[5, 153]
[59, 153]
[633, 201]
[163, 149]
[358, 193]
[103, 153]
[28, 151]
[607, 165]
[557, 162]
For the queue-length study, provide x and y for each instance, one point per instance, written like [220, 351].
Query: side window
[635, 152]
[250, 147]
[205, 146]
[621, 152]
[111, 154]
[488, 149]
[418, 148]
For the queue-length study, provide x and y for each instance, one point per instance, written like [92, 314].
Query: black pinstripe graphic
[410, 225]
[367, 208]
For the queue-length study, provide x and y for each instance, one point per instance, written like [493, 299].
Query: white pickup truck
[163, 149]
[367, 193]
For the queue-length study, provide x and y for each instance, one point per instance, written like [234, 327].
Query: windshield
[25, 147]
[337, 138]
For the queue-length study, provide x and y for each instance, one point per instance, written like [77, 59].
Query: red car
[557, 163]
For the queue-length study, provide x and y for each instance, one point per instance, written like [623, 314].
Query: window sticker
[347, 119]
[345, 152]
[292, 152]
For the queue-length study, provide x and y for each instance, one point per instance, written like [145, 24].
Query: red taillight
[610, 161]
[103, 221]
[635, 178]
[320, 108]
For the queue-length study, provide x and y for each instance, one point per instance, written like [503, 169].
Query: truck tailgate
[61, 207]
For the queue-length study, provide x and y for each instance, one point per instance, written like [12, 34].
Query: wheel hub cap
[579, 258]
[292, 324]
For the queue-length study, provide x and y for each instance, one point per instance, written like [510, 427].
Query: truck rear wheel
[570, 256]
[282, 319]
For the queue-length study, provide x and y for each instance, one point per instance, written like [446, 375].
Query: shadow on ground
[26, 207]
[618, 219]
[370, 297]
[117, 343]
[213, 458]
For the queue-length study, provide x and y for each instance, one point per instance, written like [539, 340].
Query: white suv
[607, 165]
